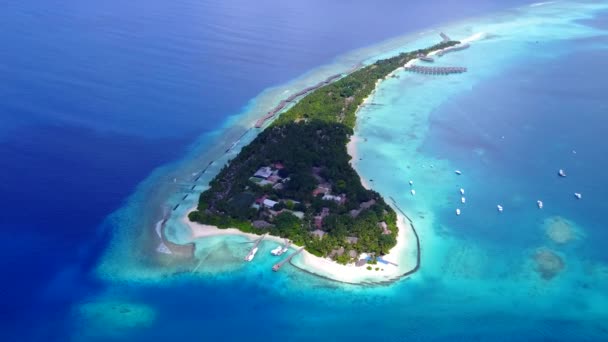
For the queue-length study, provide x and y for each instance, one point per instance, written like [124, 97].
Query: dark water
[95, 95]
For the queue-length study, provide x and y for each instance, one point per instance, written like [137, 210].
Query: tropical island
[295, 180]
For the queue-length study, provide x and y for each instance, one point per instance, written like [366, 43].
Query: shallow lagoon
[479, 278]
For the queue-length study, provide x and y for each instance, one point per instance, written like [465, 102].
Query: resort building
[352, 239]
[269, 203]
[261, 224]
[339, 198]
[319, 233]
[384, 228]
[263, 172]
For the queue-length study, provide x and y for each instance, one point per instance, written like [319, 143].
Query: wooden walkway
[278, 265]
[255, 245]
[435, 70]
[458, 47]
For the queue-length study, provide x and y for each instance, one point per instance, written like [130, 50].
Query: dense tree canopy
[306, 150]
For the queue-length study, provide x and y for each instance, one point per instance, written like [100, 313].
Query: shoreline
[402, 260]
[325, 267]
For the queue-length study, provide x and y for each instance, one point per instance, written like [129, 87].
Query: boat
[251, 254]
[578, 195]
[279, 250]
[539, 204]
[461, 191]
[411, 183]
[463, 200]
[458, 172]
[413, 192]
[561, 173]
[499, 207]
[458, 212]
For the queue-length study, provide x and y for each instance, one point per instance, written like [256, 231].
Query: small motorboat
[411, 182]
[251, 254]
[539, 204]
[413, 192]
[499, 207]
[461, 191]
[561, 173]
[458, 172]
[578, 195]
[463, 200]
[276, 251]
[458, 212]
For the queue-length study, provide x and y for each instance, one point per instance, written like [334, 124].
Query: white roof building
[269, 203]
[263, 172]
[332, 198]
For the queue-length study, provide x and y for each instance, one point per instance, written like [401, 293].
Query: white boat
[411, 182]
[463, 200]
[561, 173]
[458, 172]
[499, 207]
[251, 254]
[413, 192]
[461, 191]
[578, 195]
[539, 204]
[458, 212]
[279, 250]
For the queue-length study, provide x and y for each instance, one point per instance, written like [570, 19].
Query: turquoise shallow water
[532, 95]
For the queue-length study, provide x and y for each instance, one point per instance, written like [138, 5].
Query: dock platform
[278, 265]
[255, 246]
[435, 70]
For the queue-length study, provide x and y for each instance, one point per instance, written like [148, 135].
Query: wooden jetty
[278, 265]
[435, 70]
[425, 58]
[444, 37]
[293, 97]
[255, 246]
[453, 48]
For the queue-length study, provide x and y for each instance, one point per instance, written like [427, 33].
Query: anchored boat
[251, 254]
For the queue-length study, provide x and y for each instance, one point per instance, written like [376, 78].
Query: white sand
[199, 231]
[402, 254]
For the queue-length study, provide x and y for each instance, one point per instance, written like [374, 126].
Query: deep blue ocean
[94, 96]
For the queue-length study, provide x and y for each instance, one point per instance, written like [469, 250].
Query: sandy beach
[401, 260]
[403, 255]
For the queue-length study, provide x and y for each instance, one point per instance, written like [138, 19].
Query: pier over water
[254, 249]
[436, 70]
[278, 265]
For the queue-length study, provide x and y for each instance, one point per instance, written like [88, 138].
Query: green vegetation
[338, 101]
[295, 177]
